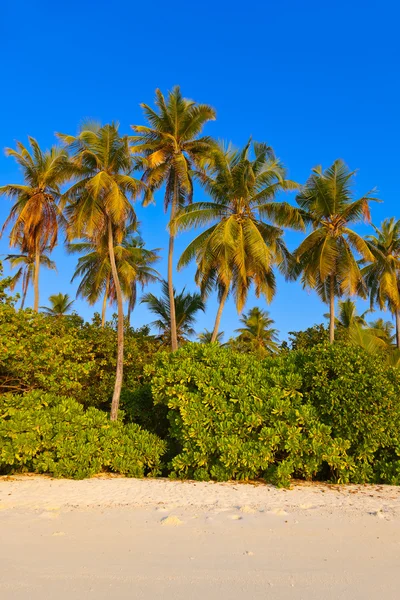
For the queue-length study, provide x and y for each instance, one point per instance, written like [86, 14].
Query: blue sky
[316, 80]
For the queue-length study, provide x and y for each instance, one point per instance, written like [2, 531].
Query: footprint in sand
[235, 517]
[171, 521]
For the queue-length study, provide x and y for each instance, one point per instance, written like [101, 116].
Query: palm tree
[240, 247]
[61, 304]
[257, 331]
[206, 337]
[326, 258]
[347, 315]
[133, 264]
[384, 330]
[99, 206]
[35, 216]
[170, 147]
[25, 263]
[382, 277]
[187, 305]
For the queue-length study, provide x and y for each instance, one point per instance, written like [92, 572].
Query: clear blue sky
[316, 80]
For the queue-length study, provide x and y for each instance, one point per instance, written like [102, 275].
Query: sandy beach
[146, 539]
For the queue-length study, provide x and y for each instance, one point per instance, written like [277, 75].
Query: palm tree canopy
[187, 306]
[205, 337]
[382, 276]
[104, 185]
[61, 304]
[25, 263]
[170, 146]
[35, 214]
[347, 315]
[240, 247]
[257, 330]
[328, 251]
[134, 265]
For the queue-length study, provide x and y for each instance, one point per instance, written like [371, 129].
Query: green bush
[64, 356]
[358, 396]
[236, 417]
[44, 433]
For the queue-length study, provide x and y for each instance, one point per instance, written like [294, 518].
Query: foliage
[357, 396]
[66, 357]
[187, 305]
[61, 304]
[236, 417]
[257, 334]
[45, 433]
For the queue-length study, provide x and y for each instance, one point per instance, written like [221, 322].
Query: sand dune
[147, 539]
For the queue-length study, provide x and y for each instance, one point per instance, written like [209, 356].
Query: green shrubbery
[329, 413]
[44, 433]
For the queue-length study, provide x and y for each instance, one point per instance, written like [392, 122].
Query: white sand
[157, 539]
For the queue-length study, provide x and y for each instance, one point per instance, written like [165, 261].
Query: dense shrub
[328, 413]
[44, 433]
[64, 356]
[239, 418]
[358, 396]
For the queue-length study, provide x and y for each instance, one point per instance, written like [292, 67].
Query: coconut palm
[206, 337]
[133, 265]
[61, 304]
[257, 331]
[99, 208]
[25, 263]
[384, 330]
[35, 216]
[240, 247]
[167, 150]
[326, 259]
[347, 315]
[187, 306]
[382, 277]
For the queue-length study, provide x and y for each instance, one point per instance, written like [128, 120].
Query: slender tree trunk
[398, 328]
[36, 278]
[25, 283]
[104, 308]
[219, 315]
[174, 339]
[120, 328]
[331, 309]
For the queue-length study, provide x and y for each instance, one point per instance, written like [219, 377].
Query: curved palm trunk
[104, 307]
[219, 315]
[36, 279]
[331, 310]
[120, 328]
[174, 339]
[398, 329]
[25, 283]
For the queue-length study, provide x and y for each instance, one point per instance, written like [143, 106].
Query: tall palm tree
[326, 259]
[98, 206]
[382, 277]
[61, 304]
[35, 216]
[94, 268]
[167, 150]
[187, 306]
[240, 247]
[25, 263]
[384, 330]
[257, 331]
[206, 337]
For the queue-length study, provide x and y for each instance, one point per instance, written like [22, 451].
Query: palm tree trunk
[104, 307]
[36, 278]
[398, 329]
[174, 339]
[25, 283]
[120, 328]
[219, 314]
[331, 309]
